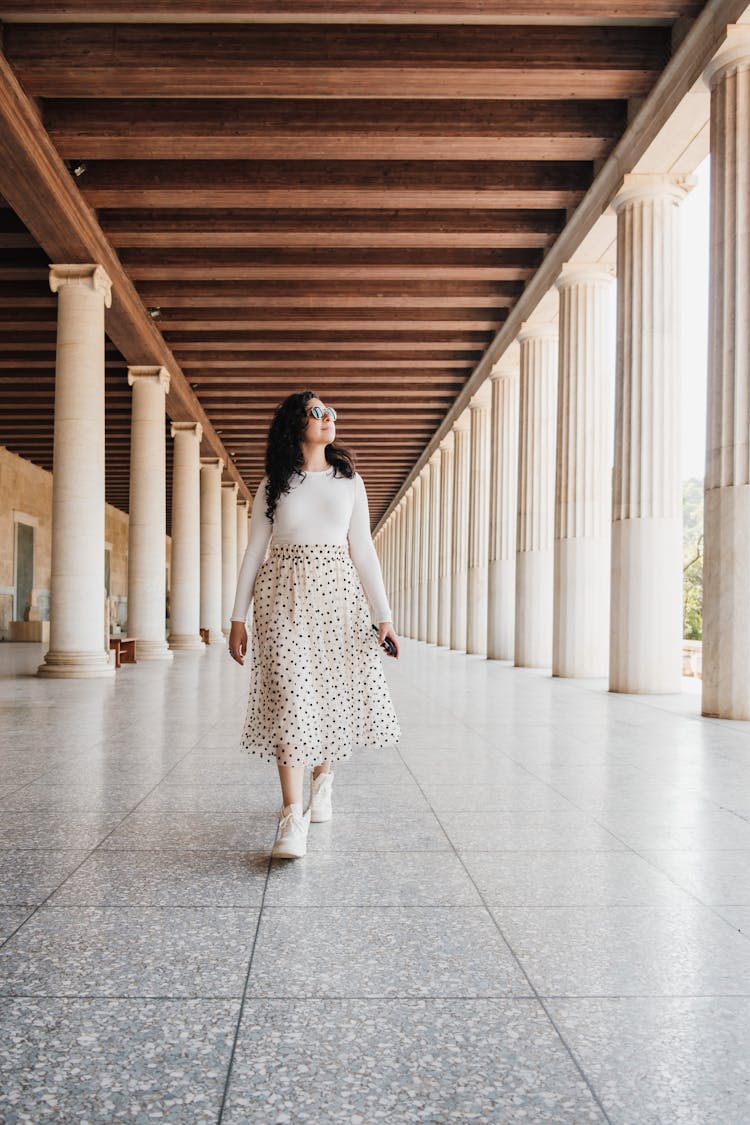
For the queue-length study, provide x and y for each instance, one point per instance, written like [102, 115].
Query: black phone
[388, 644]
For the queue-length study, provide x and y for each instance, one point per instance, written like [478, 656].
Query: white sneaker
[320, 797]
[291, 842]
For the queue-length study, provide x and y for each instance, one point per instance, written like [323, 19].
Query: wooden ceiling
[310, 194]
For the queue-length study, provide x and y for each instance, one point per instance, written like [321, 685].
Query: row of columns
[543, 542]
[209, 524]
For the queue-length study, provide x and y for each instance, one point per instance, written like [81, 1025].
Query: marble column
[501, 567]
[416, 513]
[77, 619]
[242, 527]
[424, 551]
[460, 530]
[408, 547]
[228, 552]
[646, 595]
[536, 488]
[726, 570]
[211, 562]
[445, 548]
[433, 558]
[583, 493]
[147, 524]
[479, 500]
[185, 569]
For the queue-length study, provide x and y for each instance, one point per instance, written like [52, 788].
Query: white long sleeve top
[319, 508]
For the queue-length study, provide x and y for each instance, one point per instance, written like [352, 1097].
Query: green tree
[692, 559]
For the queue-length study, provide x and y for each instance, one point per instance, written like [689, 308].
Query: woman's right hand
[238, 641]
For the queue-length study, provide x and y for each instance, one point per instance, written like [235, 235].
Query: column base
[75, 666]
[185, 642]
[533, 624]
[152, 650]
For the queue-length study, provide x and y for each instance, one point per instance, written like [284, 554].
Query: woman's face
[319, 430]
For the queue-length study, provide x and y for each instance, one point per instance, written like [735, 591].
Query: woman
[317, 688]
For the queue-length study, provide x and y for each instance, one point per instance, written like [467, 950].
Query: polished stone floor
[536, 909]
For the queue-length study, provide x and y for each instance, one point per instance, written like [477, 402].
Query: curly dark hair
[284, 457]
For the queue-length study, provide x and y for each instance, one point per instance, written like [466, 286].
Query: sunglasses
[321, 411]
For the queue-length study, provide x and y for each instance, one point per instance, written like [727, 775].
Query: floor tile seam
[293, 996]
[90, 853]
[530, 984]
[230, 1063]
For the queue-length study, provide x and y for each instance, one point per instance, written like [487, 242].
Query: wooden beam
[261, 61]
[489, 12]
[360, 229]
[324, 184]
[331, 292]
[332, 129]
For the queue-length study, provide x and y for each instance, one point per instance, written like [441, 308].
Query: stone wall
[26, 495]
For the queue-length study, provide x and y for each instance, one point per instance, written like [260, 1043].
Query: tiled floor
[536, 909]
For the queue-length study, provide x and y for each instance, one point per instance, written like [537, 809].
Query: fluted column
[646, 598]
[241, 532]
[479, 500]
[185, 569]
[397, 612]
[147, 524]
[228, 552]
[726, 570]
[460, 530]
[445, 548]
[416, 524]
[433, 560]
[501, 568]
[536, 488]
[408, 549]
[211, 563]
[77, 629]
[583, 494]
[424, 549]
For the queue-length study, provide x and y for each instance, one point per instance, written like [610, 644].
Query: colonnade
[556, 542]
[209, 523]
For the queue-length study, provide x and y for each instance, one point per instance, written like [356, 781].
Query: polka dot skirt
[317, 686]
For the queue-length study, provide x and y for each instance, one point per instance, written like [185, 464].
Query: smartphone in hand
[388, 644]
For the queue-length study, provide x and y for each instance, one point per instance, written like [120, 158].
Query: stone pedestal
[726, 570]
[77, 585]
[228, 553]
[583, 503]
[211, 568]
[646, 595]
[445, 549]
[185, 570]
[501, 567]
[147, 526]
[536, 485]
[460, 530]
[479, 501]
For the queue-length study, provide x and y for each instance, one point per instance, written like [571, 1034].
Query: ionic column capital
[639, 187]
[212, 462]
[462, 423]
[88, 276]
[508, 364]
[230, 484]
[734, 54]
[531, 331]
[193, 428]
[585, 273]
[481, 400]
[241, 502]
[435, 458]
[158, 375]
[446, 445]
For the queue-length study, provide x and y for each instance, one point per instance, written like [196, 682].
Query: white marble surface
[536, 908]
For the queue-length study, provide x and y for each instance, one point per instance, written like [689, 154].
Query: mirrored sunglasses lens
[316, 412]
[332, 413]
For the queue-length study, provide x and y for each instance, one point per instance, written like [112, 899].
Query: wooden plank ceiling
[314, 194]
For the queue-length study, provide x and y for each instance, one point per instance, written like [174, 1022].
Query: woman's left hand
[385, 629]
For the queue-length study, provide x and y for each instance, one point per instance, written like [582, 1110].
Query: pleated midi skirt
[317, 686]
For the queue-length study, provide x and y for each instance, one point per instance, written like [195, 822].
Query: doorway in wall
[24, 569]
